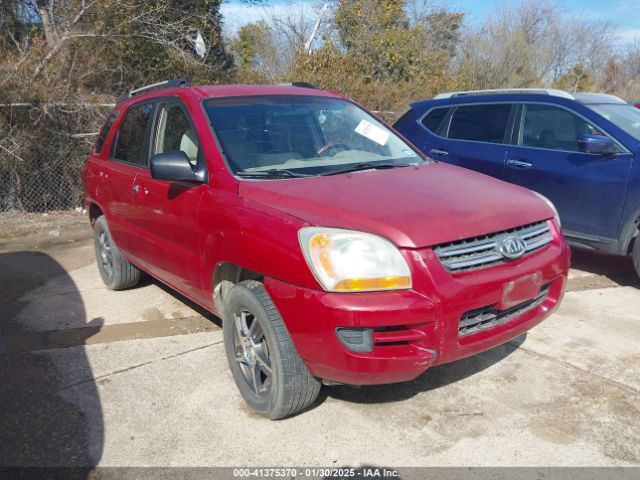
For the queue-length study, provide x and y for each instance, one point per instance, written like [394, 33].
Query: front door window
[547, 126]
[176, 133]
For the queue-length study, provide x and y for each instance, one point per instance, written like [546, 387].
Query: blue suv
[580, 150]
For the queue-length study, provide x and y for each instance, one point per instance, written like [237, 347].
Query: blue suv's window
[548, 126]
[432, 121]
[480, 123]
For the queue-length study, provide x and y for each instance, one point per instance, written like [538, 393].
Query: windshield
[302, 135]
[625, 117]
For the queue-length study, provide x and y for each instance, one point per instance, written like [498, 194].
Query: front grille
[487, 317]
[482, 252]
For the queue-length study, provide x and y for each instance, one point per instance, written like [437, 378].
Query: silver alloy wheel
[252, 353]
[106, 258]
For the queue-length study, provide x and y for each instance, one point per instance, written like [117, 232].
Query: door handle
[436, 151]
[136, 188]
[519, 164]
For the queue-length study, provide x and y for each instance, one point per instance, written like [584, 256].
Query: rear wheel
[116, 272]
[266, 367]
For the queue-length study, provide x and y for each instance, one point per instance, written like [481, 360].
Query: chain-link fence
[42, 149]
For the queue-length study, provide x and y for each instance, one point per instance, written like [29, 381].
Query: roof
[517, 93]
[180, 86]
[506, 91]
[246, 90]
[591, 98]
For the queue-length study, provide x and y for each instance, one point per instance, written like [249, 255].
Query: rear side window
[432, 121]
[404, 118]
[104, 131]
[480, 123]
[131, 143]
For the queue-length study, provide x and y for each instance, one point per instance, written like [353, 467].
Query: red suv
[333, 250]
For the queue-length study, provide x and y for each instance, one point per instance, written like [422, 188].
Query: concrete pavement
[139, 378]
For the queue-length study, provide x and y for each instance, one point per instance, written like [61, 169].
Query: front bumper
[418, 328]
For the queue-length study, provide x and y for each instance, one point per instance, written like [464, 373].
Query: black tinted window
[434, 118]
[547, 126]
[130, 145]
[104, 131]
[482, 123]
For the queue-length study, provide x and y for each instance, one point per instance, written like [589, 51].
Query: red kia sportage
[332, 249]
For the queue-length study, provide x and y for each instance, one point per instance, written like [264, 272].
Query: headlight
[551, 205]
[349, 261]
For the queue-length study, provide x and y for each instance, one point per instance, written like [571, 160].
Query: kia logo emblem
[512, 247]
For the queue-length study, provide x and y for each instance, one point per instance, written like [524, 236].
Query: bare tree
[270, 46]
[291, 30]
[535, 44]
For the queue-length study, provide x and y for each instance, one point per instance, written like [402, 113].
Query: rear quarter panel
[409, 127]
[91, 178]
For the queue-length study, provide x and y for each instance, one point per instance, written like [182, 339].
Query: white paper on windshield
[373, 133]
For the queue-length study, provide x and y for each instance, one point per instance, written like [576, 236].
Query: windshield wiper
[273, 173]
[373, 165]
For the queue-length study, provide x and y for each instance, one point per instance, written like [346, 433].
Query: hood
[413, 207]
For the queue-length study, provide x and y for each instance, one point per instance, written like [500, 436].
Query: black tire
[116, 272]
[635, 254]
[265, 365]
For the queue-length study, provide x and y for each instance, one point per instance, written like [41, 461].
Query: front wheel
[266, 367]
[635, 253]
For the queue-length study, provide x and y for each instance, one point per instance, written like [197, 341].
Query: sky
[624, 14]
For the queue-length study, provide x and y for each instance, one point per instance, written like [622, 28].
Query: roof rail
[593, 97]
[540, 91]
[299, 85]
[179, 82]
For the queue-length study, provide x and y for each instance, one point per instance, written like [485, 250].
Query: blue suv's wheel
[635, 253]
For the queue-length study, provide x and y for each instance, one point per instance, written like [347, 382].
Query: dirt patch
[20, 230]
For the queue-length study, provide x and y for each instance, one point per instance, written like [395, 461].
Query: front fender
[251, 235]
[629, 231]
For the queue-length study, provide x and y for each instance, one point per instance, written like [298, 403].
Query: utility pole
[309, 42]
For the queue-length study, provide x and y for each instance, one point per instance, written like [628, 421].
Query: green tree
[356, 20]
[254, 51]
[577, 79]
[379, 57]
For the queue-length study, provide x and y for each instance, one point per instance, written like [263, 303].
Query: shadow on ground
[47, 417]
[616, 268]
[148, 280]
[432, 379]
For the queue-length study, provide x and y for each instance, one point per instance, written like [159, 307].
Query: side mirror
[174, 166]
[597, 144]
